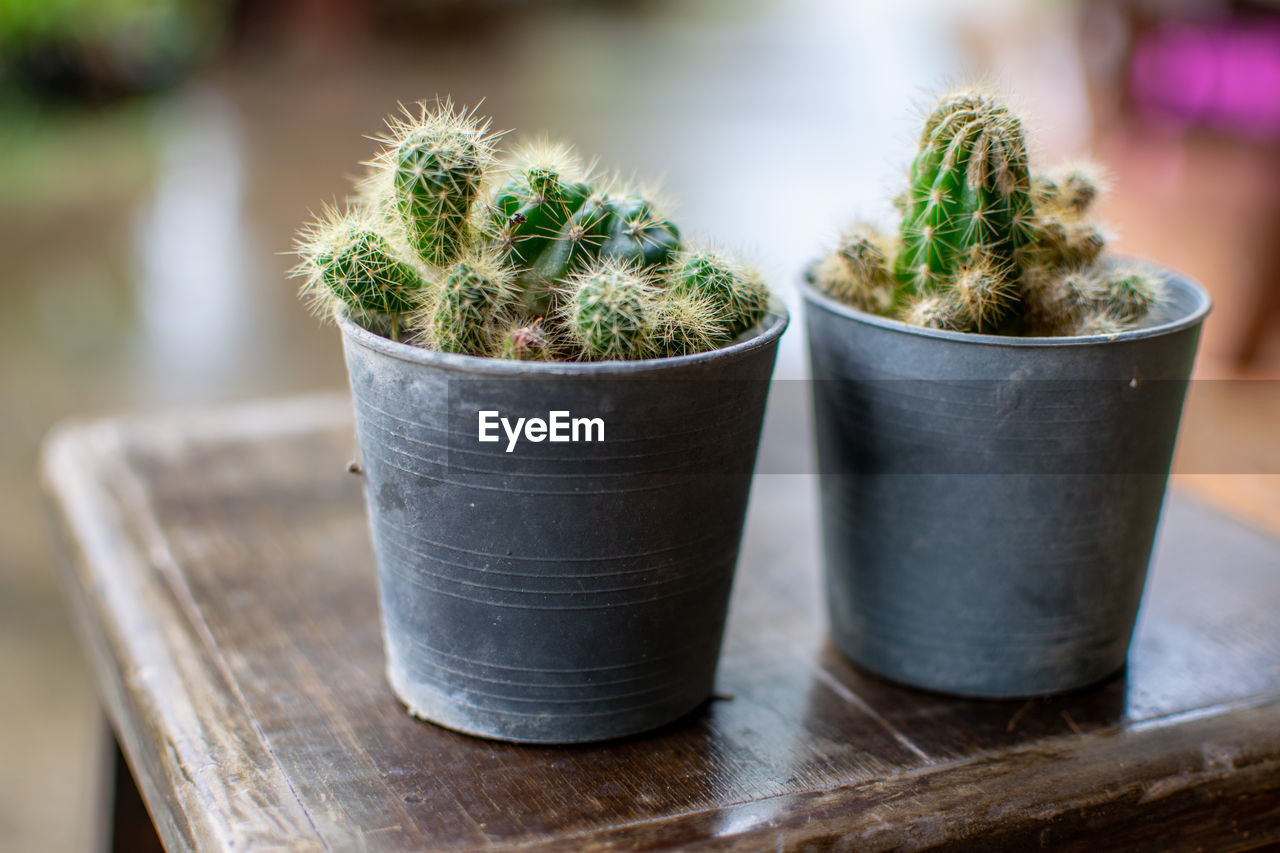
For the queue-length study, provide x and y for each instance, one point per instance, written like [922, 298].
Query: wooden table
[221, 572]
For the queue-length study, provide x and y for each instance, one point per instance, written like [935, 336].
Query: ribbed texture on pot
[561, 592]
[989, 504]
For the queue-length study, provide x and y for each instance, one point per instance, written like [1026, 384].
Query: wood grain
[221, 573]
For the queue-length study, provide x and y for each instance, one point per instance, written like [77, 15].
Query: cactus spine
[985, 246]
[539, 261]
[858, 271]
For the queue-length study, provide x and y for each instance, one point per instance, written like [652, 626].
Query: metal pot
[556, 591]
[989, 503]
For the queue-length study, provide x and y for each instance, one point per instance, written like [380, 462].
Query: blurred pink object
[1225, 76]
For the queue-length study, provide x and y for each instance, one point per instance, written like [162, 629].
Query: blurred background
[156, 157]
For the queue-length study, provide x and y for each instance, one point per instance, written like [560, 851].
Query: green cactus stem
[970, 193]
[437, 164]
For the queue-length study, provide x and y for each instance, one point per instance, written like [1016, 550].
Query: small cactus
[610, 311]
[461, 317]
[970, 195]
[934, 311]
[547, 187]
[982, 290]
[348, 264]
[1071, 187]
[637, 234]
[526, 342]
[689, 323]
[1058, 301]
[534, 261]
[737, 293]
[858, 271]
[437, 164]
[983, 245]
[1129, 293]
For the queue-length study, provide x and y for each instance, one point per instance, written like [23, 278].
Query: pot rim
[775, 323]
[1203, 304]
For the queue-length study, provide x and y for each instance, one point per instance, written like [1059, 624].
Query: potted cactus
[558, 405]
[996, 405]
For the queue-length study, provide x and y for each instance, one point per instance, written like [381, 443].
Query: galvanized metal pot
[989, 503]
[556, 591]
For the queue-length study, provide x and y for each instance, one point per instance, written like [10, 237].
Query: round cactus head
[543, 189]
[1058, 300]
[935, 311]
[470, 297]
[1129, 292]
[610, 311]
[857, 272]
[1071, 188]
[689, 323]
[984, 291]
[637, 232]
[738, 293]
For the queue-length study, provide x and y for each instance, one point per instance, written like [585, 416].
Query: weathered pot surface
[989, 503]
[556, 591]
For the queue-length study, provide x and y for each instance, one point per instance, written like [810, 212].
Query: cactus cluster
[537, 258]
[984, 245]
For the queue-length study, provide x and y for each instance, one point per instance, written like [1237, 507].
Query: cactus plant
[538, 259]
[736, 294]
[968, 207]
[461, 316]
[610, 311]
[437, 166]
[526, 342]
[347, 262]
[986, 245]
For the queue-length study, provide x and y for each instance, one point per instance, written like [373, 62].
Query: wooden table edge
[85, 503]
[86, 486]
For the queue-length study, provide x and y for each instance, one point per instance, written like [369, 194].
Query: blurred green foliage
[88, 50]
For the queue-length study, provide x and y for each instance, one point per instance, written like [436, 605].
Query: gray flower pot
[562, 591]
[989, 503]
